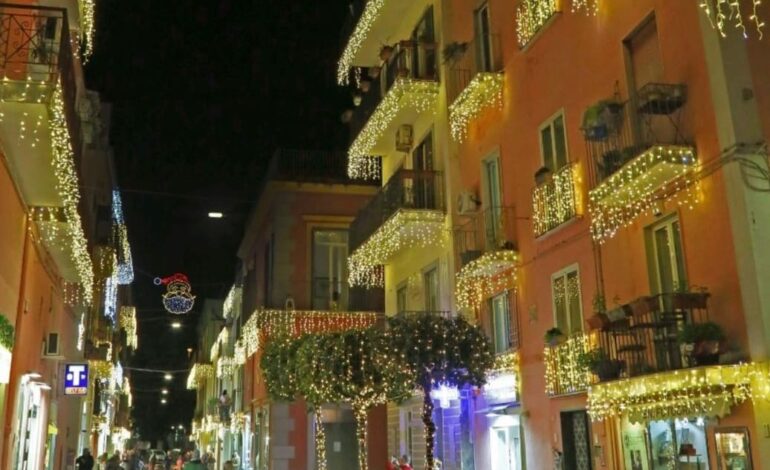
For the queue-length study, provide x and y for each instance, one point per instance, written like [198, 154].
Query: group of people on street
[401, 463]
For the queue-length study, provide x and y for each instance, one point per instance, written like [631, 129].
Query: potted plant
[685, 298]
[213, 406]
[365, 85]
[386, 52]
[543, 175]
[706, 340]
[453, 51]
[599, 320]
[601, 119]
[554, 336]
[600, 363]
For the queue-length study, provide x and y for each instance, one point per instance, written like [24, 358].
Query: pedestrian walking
[403, 463]
[392, 464]
[85, 461]
[113, 463]
[195, 462]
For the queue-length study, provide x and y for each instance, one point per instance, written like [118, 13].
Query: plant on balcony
[602, 120]
[599, 319]
[543, 175]
[6, 333]
[554, 336]
[686, 297]
[454, 51]
[386, 52]
[278, 366]
[706, 340]
[213, 406]
[599, 362]
[435, 349]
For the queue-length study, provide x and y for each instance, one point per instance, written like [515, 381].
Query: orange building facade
[605, 169]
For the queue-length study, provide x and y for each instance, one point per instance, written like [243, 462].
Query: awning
[709, 391]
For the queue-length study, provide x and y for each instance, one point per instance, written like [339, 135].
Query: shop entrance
[666, 444]
[505, 437]
[576, 440]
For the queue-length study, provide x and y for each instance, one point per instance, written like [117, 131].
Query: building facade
[595, 159]
[66, 259]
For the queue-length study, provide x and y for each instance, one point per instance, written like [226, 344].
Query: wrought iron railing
[564, 373]
[466, 60]
[406, 189]
[554, 201]
[616, 132]
[490, 229]
[311, 166]
[410, 59]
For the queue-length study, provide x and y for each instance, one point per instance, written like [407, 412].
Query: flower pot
[556, 340]
[385, 53]
[643, 305]
[347, 115]
[689, 300]
[608, 370]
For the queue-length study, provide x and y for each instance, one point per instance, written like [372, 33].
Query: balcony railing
[643, 335]
[415, 60]
[554, 201]
[491, 229]
[406, 189]
[563, 372]
[468, 59]
[311, 166]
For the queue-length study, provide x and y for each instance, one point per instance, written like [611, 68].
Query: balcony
[407, 212]
[531, 18]
[485, 252]
[554, 200]
[564, 374]
[475, 81]
[312, 166]
[405, 90]
[640, 156]
[370, 25]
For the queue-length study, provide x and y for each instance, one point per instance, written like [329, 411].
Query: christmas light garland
[87, 26]
[368, 17]
[407, 228]
[489, 274]
[101, 370]
[531, 15]
[127, 321]
[700, 391]
[406, 93]
[226, 367]
[125, 274]
[484, 91]
[563, 373]
[198, 375]
[555, 202]
[589, 7]
[68, 186]
[719, 12]
[232, 303]
[660, 173]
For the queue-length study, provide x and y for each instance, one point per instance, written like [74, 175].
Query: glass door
[483, 39]
[506, 446]
[493, 200]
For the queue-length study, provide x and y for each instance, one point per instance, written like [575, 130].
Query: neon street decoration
[76, 379]
[178, 299]
[502, 387]
[445, 393]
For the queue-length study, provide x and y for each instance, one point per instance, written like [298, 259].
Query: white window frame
[493, 323]
[667, 223]
[549, 123]
[574, 267]
[431, 267]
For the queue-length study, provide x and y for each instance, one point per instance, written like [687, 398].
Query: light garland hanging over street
[368, 17]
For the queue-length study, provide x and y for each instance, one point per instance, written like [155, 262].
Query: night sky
[203, 92]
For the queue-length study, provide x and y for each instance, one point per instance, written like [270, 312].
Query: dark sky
[203, 92]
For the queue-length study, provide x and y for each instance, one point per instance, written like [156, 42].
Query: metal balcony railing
[35, 52]
[416, 60]
[616, 132]
[468, 59]
[406, 189]
[490, 229]
[554, 201]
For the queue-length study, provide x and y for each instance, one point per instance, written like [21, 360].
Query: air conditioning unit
[404, 138]
[52, 346]
[467, 202]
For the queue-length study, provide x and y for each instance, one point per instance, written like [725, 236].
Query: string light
[719, 12]
[590, 7]
[101, 370]
[226, 367]
[127, 321]
[485, 90]
[406, 93]
[563, 372]
[68, 186]
[368, 17]
[405, 229]
[125, 274]
[531, 15]
[555, 202]
[660, 173]
[489, 274]
[232, 301]
[87, 26]
[701, 391]
[198, 375]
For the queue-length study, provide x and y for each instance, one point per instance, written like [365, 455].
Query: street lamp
[215, 215]
[176, 325]
[164, 391]
[168, 377]
[162, 401]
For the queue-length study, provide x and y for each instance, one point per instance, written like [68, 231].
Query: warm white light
[176, 325]
[168, 377]
[445, 394]
[162, 401]
[215, 215]
[164, 391]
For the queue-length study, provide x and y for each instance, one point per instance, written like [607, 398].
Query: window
[553, 143]
[664, 241]
[483, 39]
[643, 55]
[500, 322]
[430, 281]
[330, 253]
[565, 288]
[423, 194]
[492, 199]
[401, 298]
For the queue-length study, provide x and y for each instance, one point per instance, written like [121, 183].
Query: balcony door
[483, 39]
[329, 285]
[665, 242]
[500, 321]
[423, 60]
[492, 198]
[423, 190]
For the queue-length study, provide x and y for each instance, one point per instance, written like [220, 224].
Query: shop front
[695, 419]
[31, 425]
[499, 437]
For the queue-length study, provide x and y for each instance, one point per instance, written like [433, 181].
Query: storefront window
[505, 440]
[733, 451]
[665, 445]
